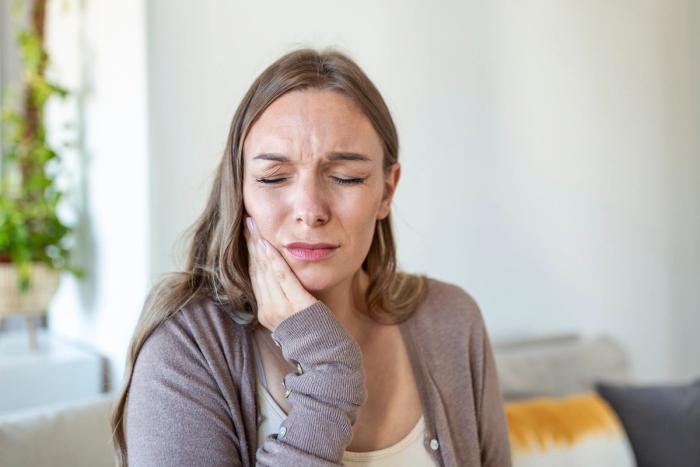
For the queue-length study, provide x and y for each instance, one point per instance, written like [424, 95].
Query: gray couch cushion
[76, 435]
[662, 422]
[558, 366]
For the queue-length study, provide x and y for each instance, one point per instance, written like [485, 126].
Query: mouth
[311, 251]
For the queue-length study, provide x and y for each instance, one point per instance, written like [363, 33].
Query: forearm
[325, 396]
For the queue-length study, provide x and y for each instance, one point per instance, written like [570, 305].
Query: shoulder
[449, 303]
[200, 332]
[450, 329]
[448, 313]
[203, 316]
[193, 367]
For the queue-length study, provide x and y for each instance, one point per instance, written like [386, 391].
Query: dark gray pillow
[662, 422]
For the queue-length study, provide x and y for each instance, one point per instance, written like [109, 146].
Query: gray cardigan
[192, 400]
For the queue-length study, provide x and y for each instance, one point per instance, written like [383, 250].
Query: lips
[310, 246]
[311, 251]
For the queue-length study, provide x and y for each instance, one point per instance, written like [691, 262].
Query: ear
[390, 182]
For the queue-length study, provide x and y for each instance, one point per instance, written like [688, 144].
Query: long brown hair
[217, 262]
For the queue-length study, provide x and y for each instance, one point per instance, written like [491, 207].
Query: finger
[268, 288]
[255, 268]
[249, 235]
[269, 279]
[254, 247]
[270, 276]
[286, 279]
[253, 261]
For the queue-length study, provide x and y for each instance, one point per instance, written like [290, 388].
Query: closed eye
[338, 180]
[348, 181]
[270, 181]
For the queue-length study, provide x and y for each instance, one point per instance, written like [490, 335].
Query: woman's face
[313, 174]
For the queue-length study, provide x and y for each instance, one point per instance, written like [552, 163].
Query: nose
[311, 206]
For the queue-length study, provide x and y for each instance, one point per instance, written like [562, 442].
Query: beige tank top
[408, 452]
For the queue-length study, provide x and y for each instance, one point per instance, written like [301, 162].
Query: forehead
[312, 123]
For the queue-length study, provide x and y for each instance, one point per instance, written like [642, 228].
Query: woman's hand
[277, 289]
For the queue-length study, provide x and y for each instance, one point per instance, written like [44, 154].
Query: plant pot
[32, 303]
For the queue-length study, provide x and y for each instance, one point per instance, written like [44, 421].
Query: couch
[76, 435]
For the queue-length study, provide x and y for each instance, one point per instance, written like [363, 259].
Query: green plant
[30, 229]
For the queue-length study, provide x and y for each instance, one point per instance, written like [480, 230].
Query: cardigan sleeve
[176, 414]
[325, 395]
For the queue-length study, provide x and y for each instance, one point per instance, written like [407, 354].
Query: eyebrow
[333, 156]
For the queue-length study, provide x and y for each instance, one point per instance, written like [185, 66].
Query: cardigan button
[434, 445]
[282, 432]
[287, 391]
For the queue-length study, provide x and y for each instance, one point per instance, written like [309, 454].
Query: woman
[291, 339]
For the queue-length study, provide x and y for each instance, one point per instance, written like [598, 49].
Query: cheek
[252, 203]
[362, 216]
[263, 209]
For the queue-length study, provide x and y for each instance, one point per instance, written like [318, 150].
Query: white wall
[597, 187]
[549, 151]
[98, 50]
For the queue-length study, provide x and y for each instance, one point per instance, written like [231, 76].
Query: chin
[320, 276]
[313, 284]
[316, 280]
